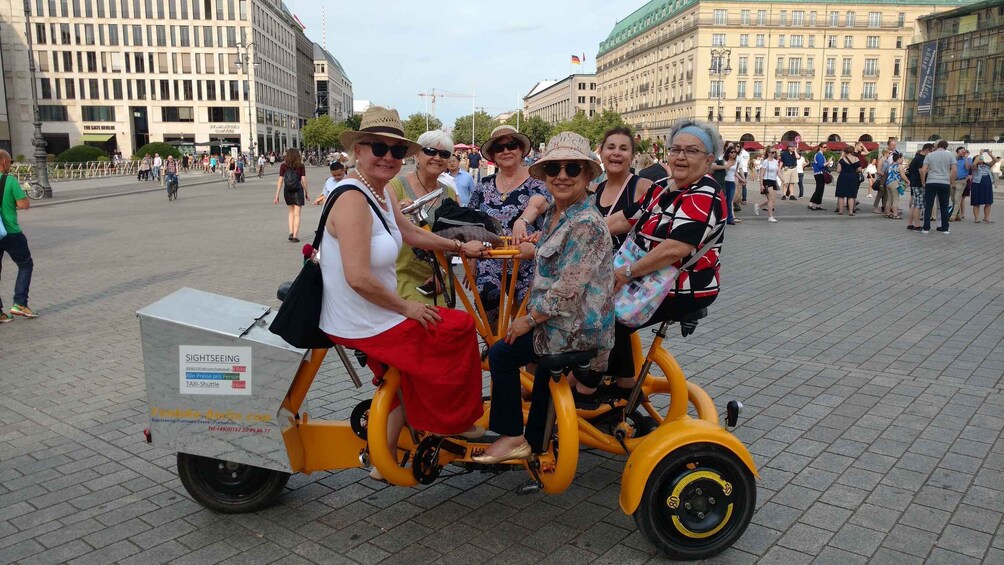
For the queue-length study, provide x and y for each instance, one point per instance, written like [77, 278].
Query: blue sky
[394, 49]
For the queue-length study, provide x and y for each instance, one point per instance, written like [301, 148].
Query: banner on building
[925, 86]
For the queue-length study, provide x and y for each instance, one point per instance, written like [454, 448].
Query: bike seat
[283, 290]
[559, 361]
[691, 316]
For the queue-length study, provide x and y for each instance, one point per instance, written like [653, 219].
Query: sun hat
[381, 122]
[500, 132]
[567, 146]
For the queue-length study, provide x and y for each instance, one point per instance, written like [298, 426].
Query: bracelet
[533, 323]
[459, 249]
[524, 220]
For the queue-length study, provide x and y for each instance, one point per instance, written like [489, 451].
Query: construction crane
[430, 100]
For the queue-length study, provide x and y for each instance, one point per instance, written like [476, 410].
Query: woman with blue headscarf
[672, 225]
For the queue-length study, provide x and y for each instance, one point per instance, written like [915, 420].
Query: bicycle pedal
[529, 487]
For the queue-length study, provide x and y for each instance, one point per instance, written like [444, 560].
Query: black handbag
[454, 221]
[299, 317]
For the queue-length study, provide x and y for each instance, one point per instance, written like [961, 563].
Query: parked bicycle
[33, 189]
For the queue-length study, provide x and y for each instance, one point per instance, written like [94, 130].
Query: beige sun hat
[500, 132]
[567, 146]
[381, 122]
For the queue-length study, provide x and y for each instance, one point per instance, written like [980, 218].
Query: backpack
[291, 181]
[3, 192]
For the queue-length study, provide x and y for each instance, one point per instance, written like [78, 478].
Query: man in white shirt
[800, 165]
[337, 174]
[742, 170]
[157, 164]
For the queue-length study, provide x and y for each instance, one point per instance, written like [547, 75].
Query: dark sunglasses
[380, 149]
[432, 152]
[512, 145]
[572, 169]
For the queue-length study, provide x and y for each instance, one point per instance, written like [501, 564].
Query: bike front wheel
[34, 190]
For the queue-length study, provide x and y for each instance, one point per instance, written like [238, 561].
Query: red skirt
[440, 370]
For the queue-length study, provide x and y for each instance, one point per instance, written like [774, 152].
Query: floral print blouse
[574, 283]
[505, 208]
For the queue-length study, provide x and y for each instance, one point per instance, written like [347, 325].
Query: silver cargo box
[216, 378]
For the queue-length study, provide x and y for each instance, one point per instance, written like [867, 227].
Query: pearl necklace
[379, 197]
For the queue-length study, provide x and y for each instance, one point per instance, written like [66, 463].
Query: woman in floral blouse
[571, 299]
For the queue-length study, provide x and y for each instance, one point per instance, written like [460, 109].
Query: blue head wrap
[699, 134]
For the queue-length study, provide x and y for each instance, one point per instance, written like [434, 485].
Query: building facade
[558, 100]
[763, 70]
[332, 86]
[955, 75]
[4, 120]
[121, 73]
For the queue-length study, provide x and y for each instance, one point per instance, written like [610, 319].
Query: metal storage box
[216, 378]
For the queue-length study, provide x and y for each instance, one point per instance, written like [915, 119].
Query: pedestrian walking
[14, 243]
[983, 186]
[789, 172]
[769, 169]
[819, 171]
[292, 183]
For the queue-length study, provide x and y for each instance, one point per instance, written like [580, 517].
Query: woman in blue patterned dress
[516, 200]
[571, 300]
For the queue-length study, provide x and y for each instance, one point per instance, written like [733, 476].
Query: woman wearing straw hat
[441, 369]
[412, 273]
[571, 299]
[671, 226]
[514, 198]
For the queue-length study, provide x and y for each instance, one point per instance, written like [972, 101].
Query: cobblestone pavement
[869, 359]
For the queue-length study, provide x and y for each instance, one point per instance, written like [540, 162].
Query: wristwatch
[627, 271]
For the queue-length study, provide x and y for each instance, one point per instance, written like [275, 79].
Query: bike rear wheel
[34, 190]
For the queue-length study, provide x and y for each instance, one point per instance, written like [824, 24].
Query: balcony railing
[870, 73]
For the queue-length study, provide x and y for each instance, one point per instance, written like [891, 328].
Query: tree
[83, 154]
[320, 132]
[538, 130]
[579, 124]
[414, 126]
[354, 122]
[605, 121]
[483, 126]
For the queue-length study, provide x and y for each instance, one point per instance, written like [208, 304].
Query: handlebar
[422, 201]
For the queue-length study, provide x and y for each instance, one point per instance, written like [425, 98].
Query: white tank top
[344, 313]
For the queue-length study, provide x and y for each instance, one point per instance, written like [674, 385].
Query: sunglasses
[572, 169]
[432, 152]
[512, 145]
[380, 149]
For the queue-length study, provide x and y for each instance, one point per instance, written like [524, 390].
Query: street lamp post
[244, 62]
[721, 66]
[41, 156]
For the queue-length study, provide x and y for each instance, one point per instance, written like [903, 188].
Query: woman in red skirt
[435, 349]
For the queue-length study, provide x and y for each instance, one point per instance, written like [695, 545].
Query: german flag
[576, 60]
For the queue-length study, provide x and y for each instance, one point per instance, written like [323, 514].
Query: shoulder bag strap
[712, 241]
[327, 208]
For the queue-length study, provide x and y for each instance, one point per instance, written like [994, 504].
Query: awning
[97, 137]
[753, 145]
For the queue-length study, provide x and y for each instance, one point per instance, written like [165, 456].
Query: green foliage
[538, 130]
[103, 159]
[19, 158]
[483, 126]
[320, 132]
[80, 154]
[414, 126]
[590, 128]
[157, 147]
[353, 122]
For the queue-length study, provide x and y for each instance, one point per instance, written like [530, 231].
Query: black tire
[229, 488]
[721, 504]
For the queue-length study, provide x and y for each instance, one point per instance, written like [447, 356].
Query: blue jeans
[16, 244]
[730, 193]
[170, 178]
[156, 173]
[932, 191]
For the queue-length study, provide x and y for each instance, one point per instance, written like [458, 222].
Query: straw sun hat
[380, 122]
[500, 132]
[567, 146]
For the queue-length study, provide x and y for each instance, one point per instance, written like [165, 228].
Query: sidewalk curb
[110, 195]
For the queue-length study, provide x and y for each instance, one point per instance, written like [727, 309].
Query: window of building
[183, 38]
[843, 116]
[901, 19]
[98, 113]
[793, 88]
[780, 40]
[831, 41]
[874, 19]
[861, 116]
[718, 39]
[721, 17]
[826, 115]
[794, 65]
[207, 36]
[744, 40]
[758, 66]
[777, 111]
[872, 42]
[846, 68]
[850, 19]
[831, 66]
[210, 90]
[868, 91]
[224, 114]
[117, 89]
[92, 61]
[235, 91]
[899, 42]
[791, 112]
[892, 115]
[828, 91]
[758, 89]
[67, 61]
[796, 40]
[761, 17]
[783, 20]
[48, 113]
[812, 19]
[113, 34]
[45, 89]
[777, 89]
[137, 36]
[582, 99]
[848, 42]
[871, 115]
[40, 37]
[834, 19]
[812, 41]
[177, 114]
[808, 90]
[871, 67]
[140, 90]
[743, 65]
[744, 17]
[897, 67]
[845, 90]
[895, 91]
[798, 18]
[741, 89]
[779, 67]
[761, 39]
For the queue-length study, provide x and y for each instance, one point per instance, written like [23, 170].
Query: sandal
[851, 214]
[976, 221]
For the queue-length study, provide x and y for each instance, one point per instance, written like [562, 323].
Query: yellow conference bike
[231, 399]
